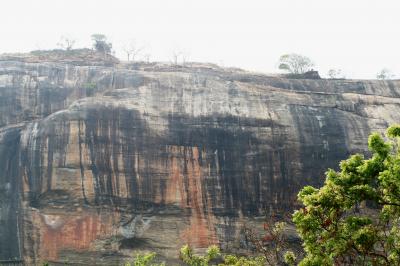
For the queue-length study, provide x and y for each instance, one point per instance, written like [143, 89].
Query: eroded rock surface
[100, 161]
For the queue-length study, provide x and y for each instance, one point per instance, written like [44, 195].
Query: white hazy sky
[359, 36]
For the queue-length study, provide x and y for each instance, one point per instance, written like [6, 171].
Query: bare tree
[132, 50]
[38, 46]
[336, 74]
[66, 43]
[384, 74]
[176, 54]
[273, 241]
[295, 63]
[146, 57]
[185, 57]
[179, 56]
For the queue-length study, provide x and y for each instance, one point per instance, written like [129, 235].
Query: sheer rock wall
[97, 161]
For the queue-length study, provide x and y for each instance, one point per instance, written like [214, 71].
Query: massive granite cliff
[98, 160]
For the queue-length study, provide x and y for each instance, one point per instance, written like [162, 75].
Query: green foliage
[213, 252]
[99, 37]
[191, 259]
[90, 85]
[295, 63]
[334, 228]
[290, 258]
[101, 44]
[90, 88]
[144, 260]
[232, 260]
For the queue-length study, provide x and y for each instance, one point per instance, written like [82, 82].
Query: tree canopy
[101, 44]
[354, 218]
[295, 63]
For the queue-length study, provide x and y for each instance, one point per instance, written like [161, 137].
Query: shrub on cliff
[187, 255]
[354, 219]
[144, 260]
[213, 253]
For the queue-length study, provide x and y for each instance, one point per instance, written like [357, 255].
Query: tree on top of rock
[384, 74]
[101, 44]
[66, 43]
[295, 63]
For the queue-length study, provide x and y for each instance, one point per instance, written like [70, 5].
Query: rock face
[99, 161]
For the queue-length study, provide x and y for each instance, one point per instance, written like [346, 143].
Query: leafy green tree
[101, 44]
[295, 63]
[354, 218]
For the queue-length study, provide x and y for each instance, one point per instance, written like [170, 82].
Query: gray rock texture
[98, 161]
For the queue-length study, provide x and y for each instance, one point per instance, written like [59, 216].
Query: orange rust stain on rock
[185, 188]
[175, 192]
[73, 231]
